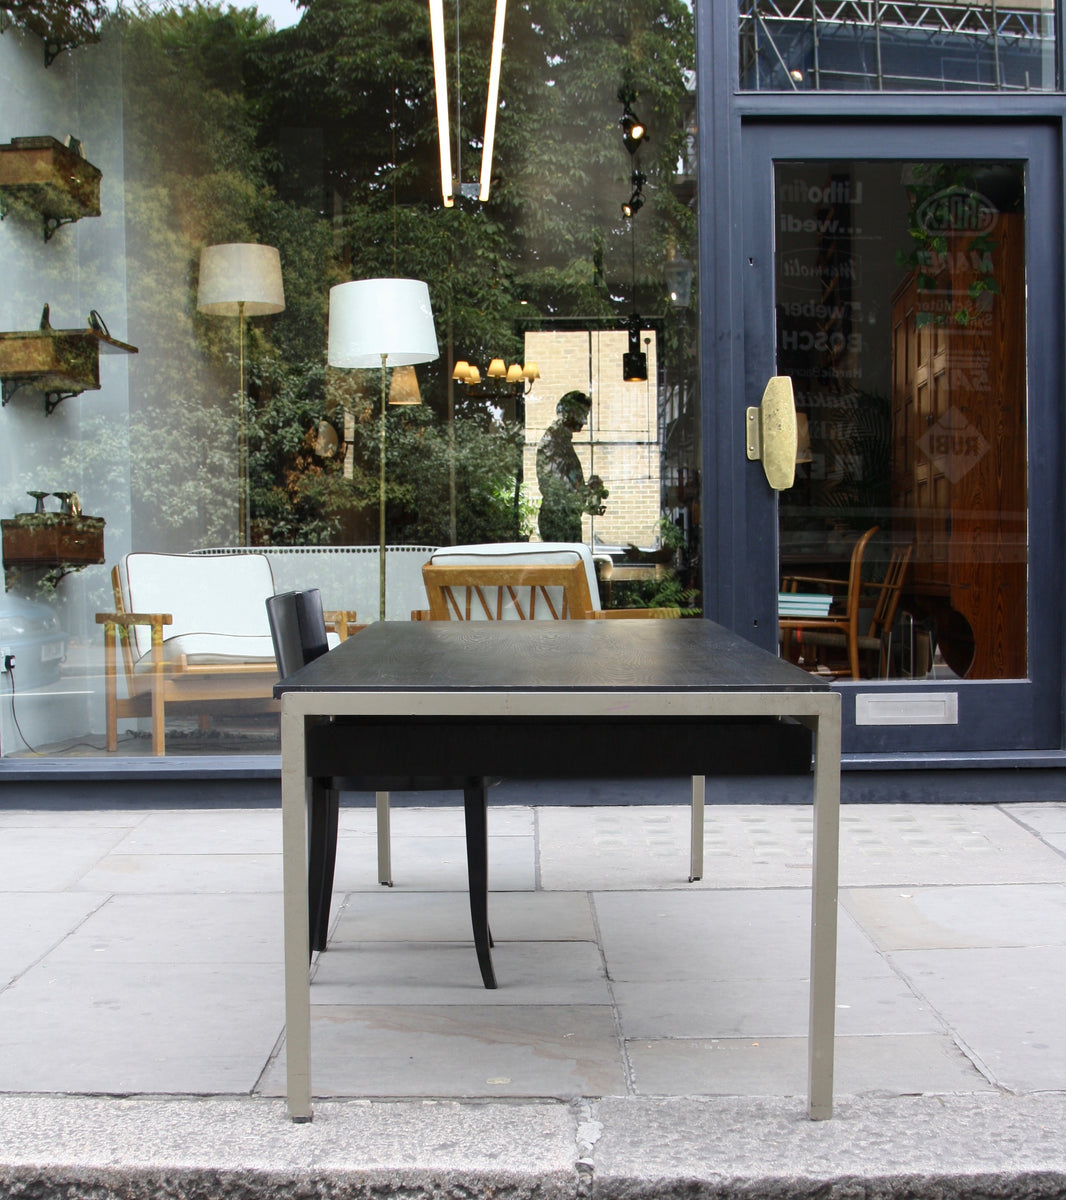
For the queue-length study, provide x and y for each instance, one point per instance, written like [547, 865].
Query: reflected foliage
[319, 139]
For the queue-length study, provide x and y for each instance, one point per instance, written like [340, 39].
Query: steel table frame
[819, 710]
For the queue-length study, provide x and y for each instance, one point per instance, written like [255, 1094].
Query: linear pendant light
[436, 27]
[440, 78]
[493, 100]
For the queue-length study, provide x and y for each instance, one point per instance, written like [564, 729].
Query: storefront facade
[874, 209]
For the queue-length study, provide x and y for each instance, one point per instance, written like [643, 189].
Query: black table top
[630, 655]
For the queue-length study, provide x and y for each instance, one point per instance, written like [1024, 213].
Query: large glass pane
[886, 45]
[205, 428]
[901, 317]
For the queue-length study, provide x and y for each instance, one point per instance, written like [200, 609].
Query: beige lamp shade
[236, 273]
[403, 389]
[380, 322]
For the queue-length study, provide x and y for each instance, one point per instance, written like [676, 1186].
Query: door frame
[998, 715]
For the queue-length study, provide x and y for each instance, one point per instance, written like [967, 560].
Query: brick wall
[620, 442]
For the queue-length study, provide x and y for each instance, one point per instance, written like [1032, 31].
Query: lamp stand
[242, 439]
[381, 498]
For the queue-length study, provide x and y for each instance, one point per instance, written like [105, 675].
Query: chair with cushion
[194, 638]
[861, 613]
[534, 581]
[298, 630]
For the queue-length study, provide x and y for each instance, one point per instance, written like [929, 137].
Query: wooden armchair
[846, 626]
[518, 581]
[194, 637]
[530, 581]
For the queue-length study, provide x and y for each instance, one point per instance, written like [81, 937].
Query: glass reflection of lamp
[240, 279]
[381, 323]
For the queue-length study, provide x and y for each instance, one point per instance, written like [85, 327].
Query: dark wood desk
[528, 699]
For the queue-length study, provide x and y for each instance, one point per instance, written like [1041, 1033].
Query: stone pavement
[648, 1035]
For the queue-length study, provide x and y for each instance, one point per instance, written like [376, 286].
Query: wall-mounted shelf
[51, 542]
[59, 362]
[50, 178]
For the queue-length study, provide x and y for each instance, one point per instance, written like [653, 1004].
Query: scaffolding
[882, 45]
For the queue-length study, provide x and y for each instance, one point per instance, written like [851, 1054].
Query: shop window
[219, 429]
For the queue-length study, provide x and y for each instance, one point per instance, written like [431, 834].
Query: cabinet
[49, 178]
[52, 542]
[59, 362]
[959, 448]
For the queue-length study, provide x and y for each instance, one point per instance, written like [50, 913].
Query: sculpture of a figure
[565, 495]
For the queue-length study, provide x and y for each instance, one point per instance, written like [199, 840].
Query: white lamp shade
[372, 317]
[240, 272]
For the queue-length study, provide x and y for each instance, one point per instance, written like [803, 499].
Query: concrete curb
[972, 1146]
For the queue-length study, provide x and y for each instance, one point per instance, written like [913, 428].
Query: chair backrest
[512, 581]
[889, 590]
[298, 629]
[507, 593]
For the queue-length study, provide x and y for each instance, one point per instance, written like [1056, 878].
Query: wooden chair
[194, 638]
[524, 581]
[840, 630]
[518, 581]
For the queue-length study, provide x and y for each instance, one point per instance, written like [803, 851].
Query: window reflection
[212, 128]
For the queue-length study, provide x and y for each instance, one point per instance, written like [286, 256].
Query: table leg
[475, 808]
[695, 863]
[295, 794]
[824, 912]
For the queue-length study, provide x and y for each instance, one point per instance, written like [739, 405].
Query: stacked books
[803, 604]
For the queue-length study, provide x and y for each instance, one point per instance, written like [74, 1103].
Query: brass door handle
[772, 433]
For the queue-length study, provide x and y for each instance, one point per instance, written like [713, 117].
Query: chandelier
[499, 380]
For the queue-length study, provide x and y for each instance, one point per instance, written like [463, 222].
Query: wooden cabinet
[959, 447]
[49, 178]
[52, 542]
[58, 362]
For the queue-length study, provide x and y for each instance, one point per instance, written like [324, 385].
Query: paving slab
[199, 1028]
[392, 916]
[454, 1050]
[35, 923]
[764, 1066]
[920, 918]
[1016, 1032]
[434, 863]
[434, 973]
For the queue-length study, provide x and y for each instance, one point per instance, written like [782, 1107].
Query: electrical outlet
[7, 659]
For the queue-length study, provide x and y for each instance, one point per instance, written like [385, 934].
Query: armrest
[839, 584]
[342, 622]
[129, 619]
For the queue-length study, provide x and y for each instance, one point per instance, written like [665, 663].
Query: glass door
[908, 287]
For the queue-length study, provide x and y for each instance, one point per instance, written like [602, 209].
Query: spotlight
[635, 362]
[633, 131]
[636, 200]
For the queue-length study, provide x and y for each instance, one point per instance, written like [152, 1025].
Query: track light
[636, 200]
[635, 362]
[633, 131]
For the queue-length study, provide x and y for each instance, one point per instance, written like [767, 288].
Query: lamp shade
[369, 318]
[235, 273]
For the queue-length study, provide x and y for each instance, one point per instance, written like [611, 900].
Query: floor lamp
[381, 323]
[240, 279]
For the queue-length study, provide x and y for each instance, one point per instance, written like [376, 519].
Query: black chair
[298, 629]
